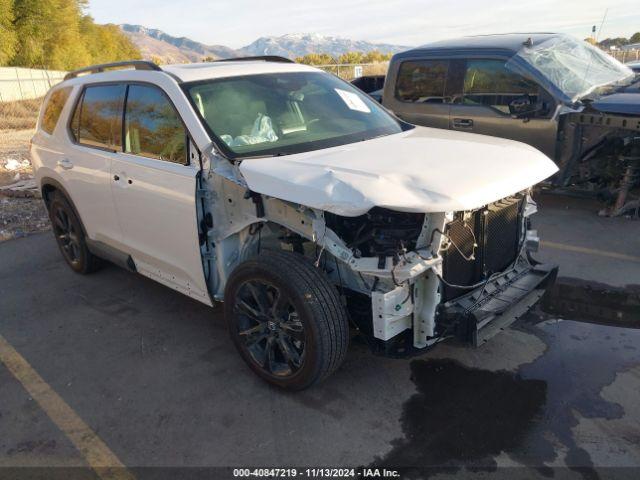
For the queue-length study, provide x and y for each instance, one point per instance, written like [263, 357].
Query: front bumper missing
[484, 312]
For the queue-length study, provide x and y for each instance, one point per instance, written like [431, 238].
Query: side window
[422, 81]
[490, 83]
[152, 126]
[97, 120]
[54, 108]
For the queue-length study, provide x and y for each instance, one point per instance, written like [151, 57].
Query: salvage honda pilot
[295, 199]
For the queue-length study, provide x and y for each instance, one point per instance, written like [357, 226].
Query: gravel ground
[21, 211]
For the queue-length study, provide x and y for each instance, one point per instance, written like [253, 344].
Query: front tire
[70, 236]
[286, 319]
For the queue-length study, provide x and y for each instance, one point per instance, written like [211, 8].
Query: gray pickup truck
[561, 95]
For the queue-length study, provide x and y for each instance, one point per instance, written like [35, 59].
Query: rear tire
[286, 319]
[70, 237]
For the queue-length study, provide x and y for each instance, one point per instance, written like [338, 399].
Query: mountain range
[158, 45]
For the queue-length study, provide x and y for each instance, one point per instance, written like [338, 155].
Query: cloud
[405, 22]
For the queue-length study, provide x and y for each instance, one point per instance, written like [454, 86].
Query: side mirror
[522, 107]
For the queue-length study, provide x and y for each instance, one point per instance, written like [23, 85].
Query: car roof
[510, 42]
[193, 72]
[188, 72]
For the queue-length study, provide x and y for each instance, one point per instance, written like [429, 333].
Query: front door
[154, 188]
[482, 105]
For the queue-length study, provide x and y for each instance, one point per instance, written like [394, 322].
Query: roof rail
[266, 58]
[136, 64]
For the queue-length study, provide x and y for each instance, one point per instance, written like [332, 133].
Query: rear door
[96, 134]
[154, 188]
[480, 104]
[415, 92]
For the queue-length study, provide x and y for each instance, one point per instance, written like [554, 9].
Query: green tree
[316, 59]
[376, 56]
[106, 43]
[48, 34]
[57, 34]
[635, 38]
[7, 32]
[351, 57]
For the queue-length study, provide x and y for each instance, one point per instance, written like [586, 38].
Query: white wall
[26, 83]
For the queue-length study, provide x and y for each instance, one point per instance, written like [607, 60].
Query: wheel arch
[254, 237]
[48, 186]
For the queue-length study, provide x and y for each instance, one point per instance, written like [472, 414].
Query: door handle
[462, 123]
[65, 163]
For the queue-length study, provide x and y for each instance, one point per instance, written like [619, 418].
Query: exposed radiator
[496, 229]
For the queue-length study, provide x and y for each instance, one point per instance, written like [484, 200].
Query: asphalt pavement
[112, 368]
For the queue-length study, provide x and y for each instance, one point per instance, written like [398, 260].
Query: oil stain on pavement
[466, 417]
[461, 414]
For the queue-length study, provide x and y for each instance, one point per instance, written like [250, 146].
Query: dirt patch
[21, 211]
[19, 115]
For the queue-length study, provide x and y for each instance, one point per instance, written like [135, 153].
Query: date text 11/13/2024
[315, 473]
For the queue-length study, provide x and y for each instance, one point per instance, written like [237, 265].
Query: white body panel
[421, 170]
[157, 213]
[151, 214]
[193, 72]
[153, 219]
[85, 174]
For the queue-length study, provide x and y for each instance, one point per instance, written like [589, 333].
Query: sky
[403, 22]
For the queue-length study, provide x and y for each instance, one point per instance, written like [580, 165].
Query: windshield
[573, 66]
[284, 113]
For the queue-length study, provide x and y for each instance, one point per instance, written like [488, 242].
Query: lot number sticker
[353, 101]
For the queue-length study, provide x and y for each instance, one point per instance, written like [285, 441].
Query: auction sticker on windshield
[353, 101]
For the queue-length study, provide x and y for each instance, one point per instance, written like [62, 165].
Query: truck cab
[566, 98]
[469, 87]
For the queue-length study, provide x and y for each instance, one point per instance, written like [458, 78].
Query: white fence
[26, 83]
[349, 71]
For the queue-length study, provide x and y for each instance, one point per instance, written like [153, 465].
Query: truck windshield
[285, 113]
[573, 66]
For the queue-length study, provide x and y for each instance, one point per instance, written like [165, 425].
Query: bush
[19, 115]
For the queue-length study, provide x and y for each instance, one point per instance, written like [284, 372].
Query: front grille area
[496, 229]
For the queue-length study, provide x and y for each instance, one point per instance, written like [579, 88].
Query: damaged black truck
[563, 96]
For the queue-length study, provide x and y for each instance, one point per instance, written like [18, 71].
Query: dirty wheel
[286, 319]
[70, 237]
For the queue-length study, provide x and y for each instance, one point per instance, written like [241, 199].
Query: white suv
[298, 201]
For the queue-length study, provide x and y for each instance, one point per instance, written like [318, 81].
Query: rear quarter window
[53, 109]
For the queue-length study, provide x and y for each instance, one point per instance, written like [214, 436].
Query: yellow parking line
[590, 251]
[102, 460]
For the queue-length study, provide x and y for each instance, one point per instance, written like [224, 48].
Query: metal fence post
[19, 85]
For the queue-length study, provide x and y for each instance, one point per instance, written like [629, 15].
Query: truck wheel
[70, 237]
[286, 319]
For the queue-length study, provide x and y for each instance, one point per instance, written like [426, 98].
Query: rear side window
[152, 126]
[422, 81]
[490, 83]
[97, 120]
[53, 109]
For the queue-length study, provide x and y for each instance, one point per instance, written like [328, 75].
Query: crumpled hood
[420, 170]
[626, 103]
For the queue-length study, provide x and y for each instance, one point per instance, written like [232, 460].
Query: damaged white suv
[298, 201]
